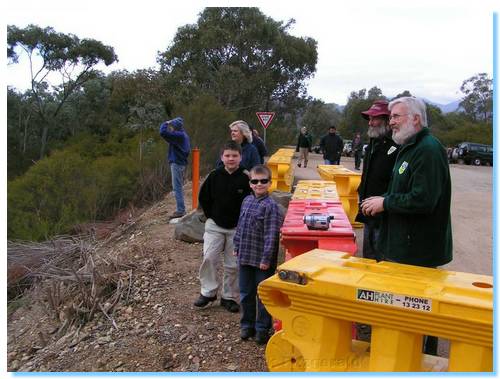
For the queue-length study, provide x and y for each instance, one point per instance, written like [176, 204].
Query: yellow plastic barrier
[318, 294]
[286, 152]
[347, 180]
[282, 172]
[347, 186]
[315, 190]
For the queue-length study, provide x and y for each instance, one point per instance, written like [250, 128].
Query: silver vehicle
[347, 148]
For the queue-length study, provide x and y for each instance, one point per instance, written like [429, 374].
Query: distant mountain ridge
[445, 108]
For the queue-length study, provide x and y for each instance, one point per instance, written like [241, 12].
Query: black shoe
[230, 305]
[247, 333]
[203, 301]
[177, 214]
[299, 164]
[261, 337]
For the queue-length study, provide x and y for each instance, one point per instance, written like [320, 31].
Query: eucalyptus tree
[241, 57]
[478, 100]
[49, 52]
[358, 102]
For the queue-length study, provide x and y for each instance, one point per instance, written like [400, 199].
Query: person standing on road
[331, 146]
[416, 220]
[378, 162]
[357, 148]
[304, 146]
[221, 195]
[173, 132]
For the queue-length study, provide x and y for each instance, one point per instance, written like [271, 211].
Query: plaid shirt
[257, 234]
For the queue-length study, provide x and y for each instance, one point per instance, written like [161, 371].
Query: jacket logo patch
[391, 150]
[402, 168]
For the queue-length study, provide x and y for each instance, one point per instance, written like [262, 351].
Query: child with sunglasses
[256, 245]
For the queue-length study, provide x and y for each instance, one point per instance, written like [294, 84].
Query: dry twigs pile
[75, 282]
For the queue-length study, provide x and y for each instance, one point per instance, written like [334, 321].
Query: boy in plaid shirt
[256, 244]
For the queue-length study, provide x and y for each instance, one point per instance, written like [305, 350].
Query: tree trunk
[43, 141]
[25, 136]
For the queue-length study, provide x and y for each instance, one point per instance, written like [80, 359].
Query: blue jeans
[332, 162]
[254, 315]
[177, 183]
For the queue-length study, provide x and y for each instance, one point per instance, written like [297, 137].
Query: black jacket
[378, 162]
[331, 145]
[261, 147]
[304, 140]
[221, 195]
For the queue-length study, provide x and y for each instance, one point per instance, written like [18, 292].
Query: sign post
[265, 119]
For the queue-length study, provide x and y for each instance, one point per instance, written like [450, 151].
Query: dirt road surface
[471, 212]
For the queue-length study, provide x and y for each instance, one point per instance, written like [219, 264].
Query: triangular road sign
[265, 118]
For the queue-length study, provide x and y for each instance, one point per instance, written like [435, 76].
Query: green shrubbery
[78, 184]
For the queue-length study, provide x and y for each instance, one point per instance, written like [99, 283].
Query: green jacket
[416, 224]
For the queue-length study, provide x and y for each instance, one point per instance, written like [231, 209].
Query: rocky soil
[157, 329]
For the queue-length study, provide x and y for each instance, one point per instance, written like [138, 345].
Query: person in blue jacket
[179, 146]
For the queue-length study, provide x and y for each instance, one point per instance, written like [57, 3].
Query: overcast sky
[427, 49]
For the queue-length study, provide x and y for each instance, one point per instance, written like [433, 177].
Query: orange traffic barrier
[195, 176]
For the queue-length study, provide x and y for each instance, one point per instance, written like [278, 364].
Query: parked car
[347, 148]
[472, 153]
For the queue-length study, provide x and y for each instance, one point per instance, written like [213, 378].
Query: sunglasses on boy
[256, 181]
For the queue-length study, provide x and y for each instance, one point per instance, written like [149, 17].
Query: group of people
[331, 145]
[404, 195]
[405, 190]
[242, 223]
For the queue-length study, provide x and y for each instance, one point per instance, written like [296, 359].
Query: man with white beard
[378, 162]
[416, 221]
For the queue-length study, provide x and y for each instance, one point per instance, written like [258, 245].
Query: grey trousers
[217, 247]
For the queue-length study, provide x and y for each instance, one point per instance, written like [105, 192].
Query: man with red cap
[378, 162]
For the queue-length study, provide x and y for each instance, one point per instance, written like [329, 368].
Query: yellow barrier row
[347, 186]
[281, 168]
[315, 190]
[285, 152]
[318, 294]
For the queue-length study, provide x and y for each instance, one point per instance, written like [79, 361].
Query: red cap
[378, 108]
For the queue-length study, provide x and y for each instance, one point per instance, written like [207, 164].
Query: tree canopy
[241, 57]
[73, 58]
[478, 100]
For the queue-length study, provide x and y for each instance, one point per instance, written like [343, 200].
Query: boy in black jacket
[220, 198]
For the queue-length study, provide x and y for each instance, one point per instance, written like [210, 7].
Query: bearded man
[416, 221]
[378, 162]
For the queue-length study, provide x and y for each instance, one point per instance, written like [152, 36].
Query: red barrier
[298, 239]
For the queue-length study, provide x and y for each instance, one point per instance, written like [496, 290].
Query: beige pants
[303, 155]
[218, 241]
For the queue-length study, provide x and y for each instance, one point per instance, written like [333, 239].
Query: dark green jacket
[416, 224]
